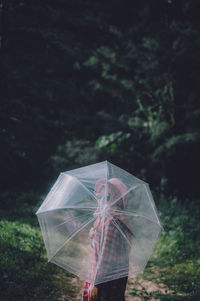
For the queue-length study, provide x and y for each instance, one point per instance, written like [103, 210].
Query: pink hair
[117, 183]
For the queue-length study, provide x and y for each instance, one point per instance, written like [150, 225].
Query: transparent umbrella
[99, 222]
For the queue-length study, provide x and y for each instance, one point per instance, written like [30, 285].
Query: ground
[138, 289]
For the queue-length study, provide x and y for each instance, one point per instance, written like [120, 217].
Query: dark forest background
[88, 81]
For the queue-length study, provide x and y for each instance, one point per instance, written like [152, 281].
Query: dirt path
[144, 288]
[136, 285]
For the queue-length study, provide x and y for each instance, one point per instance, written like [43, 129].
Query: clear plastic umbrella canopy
[99, 222]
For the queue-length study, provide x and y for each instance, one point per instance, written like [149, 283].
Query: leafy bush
[175, 260]
[25, 271]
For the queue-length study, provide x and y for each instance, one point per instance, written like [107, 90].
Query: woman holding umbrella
[111, 237]
[109, 253]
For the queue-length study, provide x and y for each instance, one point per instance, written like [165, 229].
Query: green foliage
[85, 81]
[182, 236]
[92, 80]
[74, 153]
[26, 274]
[25, 271]
[174, 264]
[175, 260]
[112, 141]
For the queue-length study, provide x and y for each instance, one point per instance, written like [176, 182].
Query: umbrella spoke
[99, 222]
[124, 194]
[136, 214]
[117, 226]
[67, 207]
[70, 218]
[69, 238]
[134, 240]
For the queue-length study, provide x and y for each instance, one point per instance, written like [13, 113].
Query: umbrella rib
[71, 237]
[132, 188]
[68, 207]
[69, 218]
[114, 222]
[52, 191]
[152, 205]
[142, 248]
[135, 238]
[137, 214]
[121, 196]
[83, 186]
[132, 214]
[146, 217]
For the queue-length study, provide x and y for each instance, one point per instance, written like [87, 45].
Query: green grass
[25, 271]
[175, 261]
[27, 275]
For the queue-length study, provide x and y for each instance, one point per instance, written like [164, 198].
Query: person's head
[108, 191]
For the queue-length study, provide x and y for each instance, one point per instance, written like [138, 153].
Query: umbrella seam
[117, 226]
[140, 215]
[152, 206]
[71, 237]
[83, 186]
[74, 218]
[132, 188]
[71, 207]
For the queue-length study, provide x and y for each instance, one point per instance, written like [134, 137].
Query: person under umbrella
[111, 237]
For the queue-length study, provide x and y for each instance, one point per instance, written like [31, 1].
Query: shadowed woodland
[88, 81]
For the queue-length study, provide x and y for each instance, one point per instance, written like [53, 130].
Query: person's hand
[91, 233]
[93, 293]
